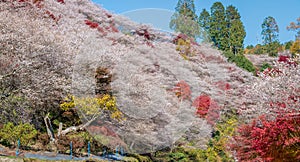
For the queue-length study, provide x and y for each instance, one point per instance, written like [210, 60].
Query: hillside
[49, 49]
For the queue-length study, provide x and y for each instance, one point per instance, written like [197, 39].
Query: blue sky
[253, 12]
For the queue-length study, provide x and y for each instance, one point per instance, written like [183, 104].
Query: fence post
[117, 150]
[89, 149]
[122, 151]
[104, 153]
[71, 145]
[18, 148]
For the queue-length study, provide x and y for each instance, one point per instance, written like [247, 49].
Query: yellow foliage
[116, 115]
[88, 106]
[185, 57]
[217, 150]
[92, 106]
[68, 103]
[295, 48]
[184, 48]
[247, 51]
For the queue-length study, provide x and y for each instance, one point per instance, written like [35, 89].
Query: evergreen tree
[236, 31]
[218, 29]
[186, 8]
[204, 23]
[204, 19]
[184, 19]
[227, 32]
[270, 35]
[232, 13]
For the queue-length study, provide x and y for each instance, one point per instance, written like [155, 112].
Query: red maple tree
[207, 108]
[269, 140]
[182, 90]
[273, 132]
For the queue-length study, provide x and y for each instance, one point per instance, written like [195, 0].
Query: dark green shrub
[243, 62]
[264, 66]
[240, 60]
[288, 45]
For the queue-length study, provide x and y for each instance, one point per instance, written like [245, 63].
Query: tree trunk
[49, 128]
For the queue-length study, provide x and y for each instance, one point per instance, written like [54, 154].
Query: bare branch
[77, 128]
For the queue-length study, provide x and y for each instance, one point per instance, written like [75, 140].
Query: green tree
[295, 26]
[250, 46]
[187, 8]
[288, 44]
[184, 19]
[218, 29]
[204, 22]
[232, 13]
[270, 34]
[204, 19]
[236, 30]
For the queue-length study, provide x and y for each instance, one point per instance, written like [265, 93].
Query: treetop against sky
[252, 13]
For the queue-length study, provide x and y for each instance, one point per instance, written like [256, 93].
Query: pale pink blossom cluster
[275, 92]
